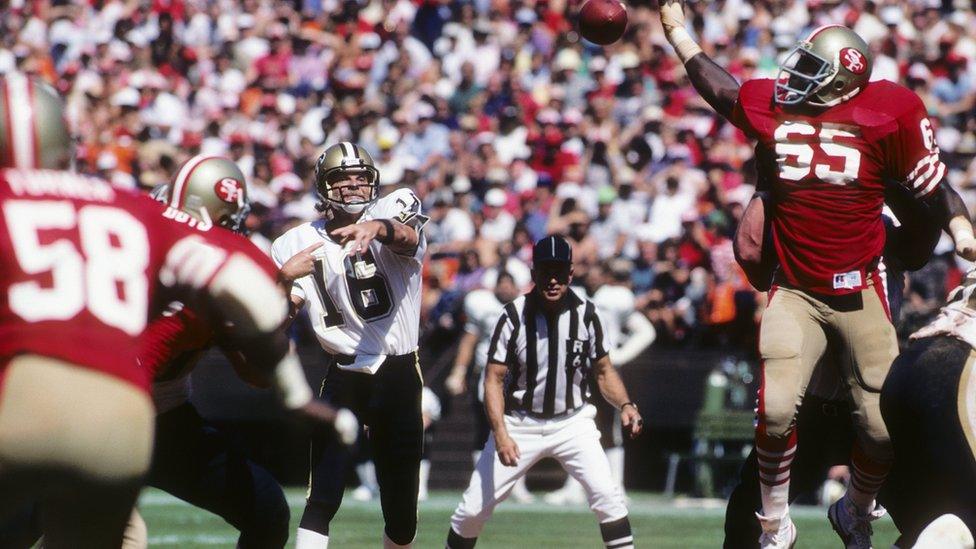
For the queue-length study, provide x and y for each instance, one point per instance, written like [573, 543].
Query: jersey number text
[368, 290]
[107, 275]
[831, 161]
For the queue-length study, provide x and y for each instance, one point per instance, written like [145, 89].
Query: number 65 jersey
[827, 168]
[365, 305]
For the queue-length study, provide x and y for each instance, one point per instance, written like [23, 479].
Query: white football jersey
[481, 310]
[367, 306]
[615, 305]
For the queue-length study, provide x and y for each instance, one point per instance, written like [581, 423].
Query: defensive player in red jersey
[83, 267]
[832, 139]
[191, 459]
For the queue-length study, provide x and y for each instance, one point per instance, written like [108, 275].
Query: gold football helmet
[828, 67]
[33, 131]
[211, 189]
[345, 158]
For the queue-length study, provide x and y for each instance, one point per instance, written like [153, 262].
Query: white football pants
[573, 441]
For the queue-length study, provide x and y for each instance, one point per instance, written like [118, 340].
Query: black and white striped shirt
[549, 357]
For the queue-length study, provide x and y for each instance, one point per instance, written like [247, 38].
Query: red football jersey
[828, 176]
[84, 266]
[173, 341]
[176, 337]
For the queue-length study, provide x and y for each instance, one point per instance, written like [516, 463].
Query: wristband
[683, 43]
[629, 403]
[388, 239]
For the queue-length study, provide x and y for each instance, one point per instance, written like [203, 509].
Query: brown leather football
[603, 21]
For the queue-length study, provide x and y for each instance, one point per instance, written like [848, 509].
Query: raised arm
[716, 86]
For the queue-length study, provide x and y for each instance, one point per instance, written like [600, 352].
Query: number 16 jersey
[365, 305]
[827, 169]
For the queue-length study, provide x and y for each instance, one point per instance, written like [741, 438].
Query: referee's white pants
[573, 441]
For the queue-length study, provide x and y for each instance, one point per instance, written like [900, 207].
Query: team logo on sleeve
[853, 60]
[229, 190]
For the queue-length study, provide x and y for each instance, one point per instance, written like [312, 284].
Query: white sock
[390, 544]
[616, 458]
[366, 472]
[307, 539]
[775, 499]
[774, 481]
[424, 475]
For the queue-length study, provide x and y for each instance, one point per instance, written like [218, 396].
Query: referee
[544, 349]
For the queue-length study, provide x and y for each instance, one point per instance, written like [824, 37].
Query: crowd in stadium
[502, 120]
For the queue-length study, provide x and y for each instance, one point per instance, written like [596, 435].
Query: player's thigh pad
[870, 340]
[792, 340]
[58, 417]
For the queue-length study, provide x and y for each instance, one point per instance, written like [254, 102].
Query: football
[603, 21]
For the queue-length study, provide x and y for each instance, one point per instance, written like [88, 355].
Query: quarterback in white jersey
[379, 286]
[359, 271]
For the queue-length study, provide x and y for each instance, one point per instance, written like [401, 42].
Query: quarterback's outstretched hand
[360, 234]
[299, 264]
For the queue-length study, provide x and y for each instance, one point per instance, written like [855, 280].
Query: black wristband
[629, 403]
[388, 239]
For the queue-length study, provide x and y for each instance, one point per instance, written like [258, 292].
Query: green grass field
[657, 522]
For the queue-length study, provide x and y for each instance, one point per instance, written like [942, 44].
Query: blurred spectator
[506, 125]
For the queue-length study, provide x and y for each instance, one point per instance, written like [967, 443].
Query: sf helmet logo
[853, 60]
[229, 190]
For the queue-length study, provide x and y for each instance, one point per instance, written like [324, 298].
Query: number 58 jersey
[83, 267]
[366, 305]
[827, 168]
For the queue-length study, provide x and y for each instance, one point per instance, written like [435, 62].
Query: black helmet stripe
[349, 149]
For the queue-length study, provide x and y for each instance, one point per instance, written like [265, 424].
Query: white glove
[672, 15]
[673, 21]
[966, 248]
[346, 426]
[962, 233]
